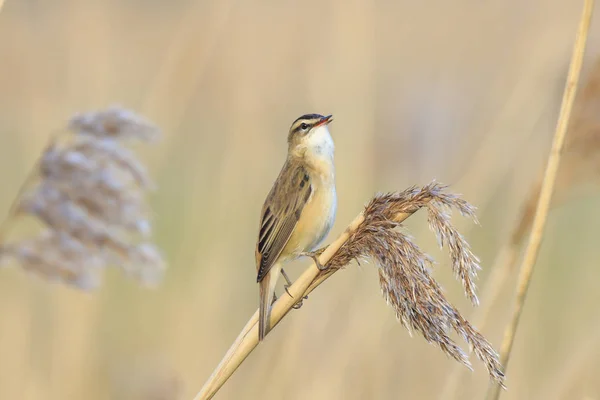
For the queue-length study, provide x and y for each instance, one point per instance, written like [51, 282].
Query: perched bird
[300, 208]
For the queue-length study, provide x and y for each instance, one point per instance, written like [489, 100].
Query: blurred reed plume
[88, 191]
[580, 158]
[404, 276]
[581, 155]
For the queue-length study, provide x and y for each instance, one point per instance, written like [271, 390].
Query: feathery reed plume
[547, 188]
[404, 270]
[88, 191]
[404, 275]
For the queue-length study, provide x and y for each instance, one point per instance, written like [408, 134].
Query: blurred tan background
[464, 92]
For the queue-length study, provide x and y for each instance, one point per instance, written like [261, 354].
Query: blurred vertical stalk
[546, 190]
[192, 47]
[180, 73]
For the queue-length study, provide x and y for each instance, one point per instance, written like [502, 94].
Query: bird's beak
[326, 120]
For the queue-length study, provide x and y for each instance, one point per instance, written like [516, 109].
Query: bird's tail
[267, 291]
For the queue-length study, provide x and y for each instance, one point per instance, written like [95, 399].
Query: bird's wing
[280, 214]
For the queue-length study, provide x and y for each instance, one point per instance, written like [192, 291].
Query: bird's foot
[288, 283]
[300, 303]
[315, 256]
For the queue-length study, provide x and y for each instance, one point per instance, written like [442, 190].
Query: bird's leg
[286, 286]
[315, 256]
[288, 282]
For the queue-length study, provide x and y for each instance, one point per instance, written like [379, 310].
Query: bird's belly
[315, 222]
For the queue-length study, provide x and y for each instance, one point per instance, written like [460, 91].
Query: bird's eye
[304, 126]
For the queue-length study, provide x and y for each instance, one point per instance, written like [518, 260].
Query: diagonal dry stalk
[247, 340]
[547, 188]
[404, 274]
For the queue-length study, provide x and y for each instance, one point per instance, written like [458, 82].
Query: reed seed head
[405, 271]
[90, 194]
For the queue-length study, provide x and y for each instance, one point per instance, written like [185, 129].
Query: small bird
[299, 210]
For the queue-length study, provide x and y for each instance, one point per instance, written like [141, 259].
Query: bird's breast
[316, 219]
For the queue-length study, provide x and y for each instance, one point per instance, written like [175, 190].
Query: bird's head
[309, 136]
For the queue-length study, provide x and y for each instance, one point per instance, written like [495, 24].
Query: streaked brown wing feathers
[281, 212]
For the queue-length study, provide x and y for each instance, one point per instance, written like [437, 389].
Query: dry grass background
[465, 93]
